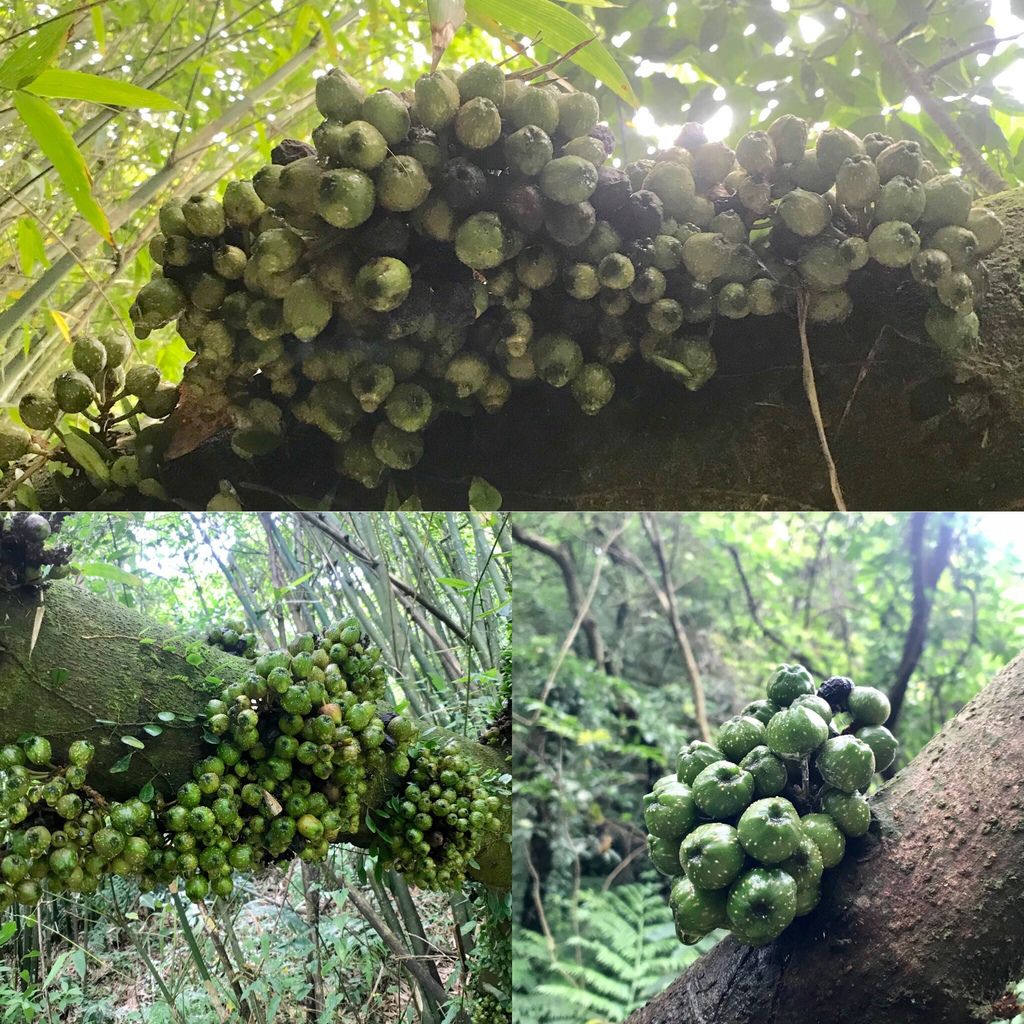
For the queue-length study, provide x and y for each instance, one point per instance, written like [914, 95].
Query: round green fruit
[769, 830]
[846, 763]
[882, 743]
[795, 732]
[670, 812]
[711, 855]
[664, 856]
[694, 758]
[723, 789]
[805, 865]
[851, 811]
[769, 772]
[697, 911]
[813, 702]
[827, 836]
[762, 710]
[868, 706]
[738, 736]
[788, 683]
[761, 905]
[38, 750]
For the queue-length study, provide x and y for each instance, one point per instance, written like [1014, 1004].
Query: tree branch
[918, 87]
[682, 640]
[562, 557]
[755, 614]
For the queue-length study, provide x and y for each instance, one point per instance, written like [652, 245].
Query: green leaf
[152, 730]
[35, 54]
[99, 30]
[147, 793]
[561, 30]
[31, 248]
[483, 497]
[114, 573]
[59, 148]
[122, 764]
[194, 658]
[165, 716]
[80, 85]
[133, 741]
[7, 931]
[451, 581]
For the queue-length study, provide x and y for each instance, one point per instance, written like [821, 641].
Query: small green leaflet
[31, 248]
[122, 764]
[483, 497]
[451, 581]
[80, 85]
[152, 730]
[86, 456]
[133, 741]
[7, 931]
[165, 716]
[147, 793]
[114, 573]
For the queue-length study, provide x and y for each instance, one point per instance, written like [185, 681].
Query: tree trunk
[93, 661]
[908, 428]
[922, 923]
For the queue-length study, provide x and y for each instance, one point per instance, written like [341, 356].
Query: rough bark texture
[91, 660]
[922, 923]
[907, 428]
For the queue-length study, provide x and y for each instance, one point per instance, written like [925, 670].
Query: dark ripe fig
[287, 151]
[692, 136]
[613, 190]
[464, 185]
[640, 216]
[522, 206]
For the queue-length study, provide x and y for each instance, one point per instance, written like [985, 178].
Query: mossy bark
[908, 426]
[922, 923]
[71, 662]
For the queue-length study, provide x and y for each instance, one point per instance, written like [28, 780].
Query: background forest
[313, 943]
[86, 158]
[639, 633]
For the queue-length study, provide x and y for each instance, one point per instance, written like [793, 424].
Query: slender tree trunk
[922, 923]
[75, 663]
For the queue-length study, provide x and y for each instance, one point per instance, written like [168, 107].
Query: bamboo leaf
[80, 85]
[36, 53]
[59, 148]
[561, 30]
[31, 248]
[99, 29]
[62, 324]
[114, 573]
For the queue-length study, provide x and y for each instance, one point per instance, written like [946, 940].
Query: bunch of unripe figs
[235, 638]
[299, 743]
[435, 250]
[747, 826]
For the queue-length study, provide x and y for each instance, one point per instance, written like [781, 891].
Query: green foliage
[622, 951]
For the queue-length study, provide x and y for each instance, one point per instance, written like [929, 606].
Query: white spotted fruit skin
[846, 763]
[827, 836]
[711, 855]
[769, 830]
[723, 789]
[850, 811]
[739, 735]
[796, 732]
[761, 905]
